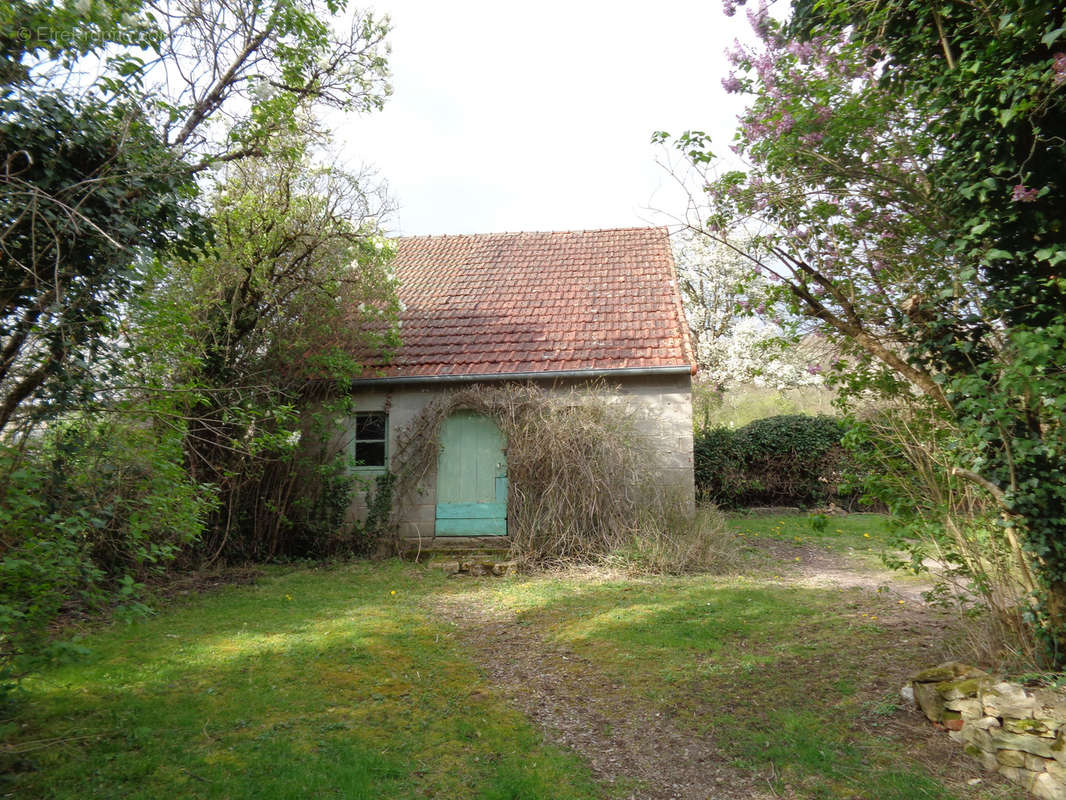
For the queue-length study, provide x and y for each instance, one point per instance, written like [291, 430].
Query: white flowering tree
[736, 342]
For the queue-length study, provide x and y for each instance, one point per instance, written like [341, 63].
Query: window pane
[370, 454]
[370, 425]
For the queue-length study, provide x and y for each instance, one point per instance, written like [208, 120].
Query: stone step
[462, 555]
[455, 548]
[476, 566]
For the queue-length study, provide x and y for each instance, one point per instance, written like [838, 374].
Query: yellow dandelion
[902, 602]
[288, 597]
[866, 536]
[393, 592]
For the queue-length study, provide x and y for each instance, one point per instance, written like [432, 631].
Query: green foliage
[42, 567]
[317, 512]
[311, 513]
[784, 460]
[128, 477]
[87, 513]
[284, 493]
[45, 32]
[380, 502]
[100, 179]
[294, 290]
[119, 324]
[992, 96]
[908, 165]
[88, 193]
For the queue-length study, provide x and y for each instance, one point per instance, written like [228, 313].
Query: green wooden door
[471, 477]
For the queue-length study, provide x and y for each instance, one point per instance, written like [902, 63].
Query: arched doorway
[471, 477]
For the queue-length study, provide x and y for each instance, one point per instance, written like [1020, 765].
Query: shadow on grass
[785, 678]
[338, 683]
[324, 684]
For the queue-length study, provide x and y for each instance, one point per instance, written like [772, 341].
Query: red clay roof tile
[505, 303]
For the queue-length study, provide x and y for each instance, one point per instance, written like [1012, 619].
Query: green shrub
[88, 510]
[293, 498]
[318, 524]
[818, 522]
[793, 459]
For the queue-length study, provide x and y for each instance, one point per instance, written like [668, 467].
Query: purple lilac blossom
[1023, 194]
[1058, 67]
[759, 18]
[801, 50]
[730, 6]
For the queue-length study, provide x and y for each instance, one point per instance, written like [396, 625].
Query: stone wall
[662, 404]
[1019, 733]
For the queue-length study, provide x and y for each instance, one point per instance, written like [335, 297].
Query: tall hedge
[793, 460]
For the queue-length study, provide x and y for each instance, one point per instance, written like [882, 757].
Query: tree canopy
[109, 117]
[905, 174]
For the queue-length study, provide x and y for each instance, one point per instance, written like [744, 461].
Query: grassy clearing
[312, 684]
[797, 683]
[789, 681]
[343, 683]
[738, 406]
[860, 536]
[769, 540]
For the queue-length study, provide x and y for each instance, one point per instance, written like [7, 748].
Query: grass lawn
[344, 683]
[314, 683]
[860, 536]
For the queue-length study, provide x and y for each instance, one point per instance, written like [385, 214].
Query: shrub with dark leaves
[792, 459]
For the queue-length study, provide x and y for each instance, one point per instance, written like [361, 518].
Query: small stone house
[560, 309]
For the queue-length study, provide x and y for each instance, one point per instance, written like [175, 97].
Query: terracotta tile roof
[503, 303]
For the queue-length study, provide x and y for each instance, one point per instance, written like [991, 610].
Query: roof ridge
[665, 229]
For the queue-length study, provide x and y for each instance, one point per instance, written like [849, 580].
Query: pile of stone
[477, 566]
[1019, 733]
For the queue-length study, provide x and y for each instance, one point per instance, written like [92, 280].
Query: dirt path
[623, 741]
[626, 742]
[820, 569]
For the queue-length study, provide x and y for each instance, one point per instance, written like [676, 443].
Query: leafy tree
[88, 193]
[114, 120]
[274, 314]
[906, 176]
[99, 170]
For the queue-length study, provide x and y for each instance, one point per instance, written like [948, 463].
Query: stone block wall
[663, 408]
[662, 405]
[1018, 732]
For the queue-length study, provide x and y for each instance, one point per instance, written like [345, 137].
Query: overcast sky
[537, 116]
